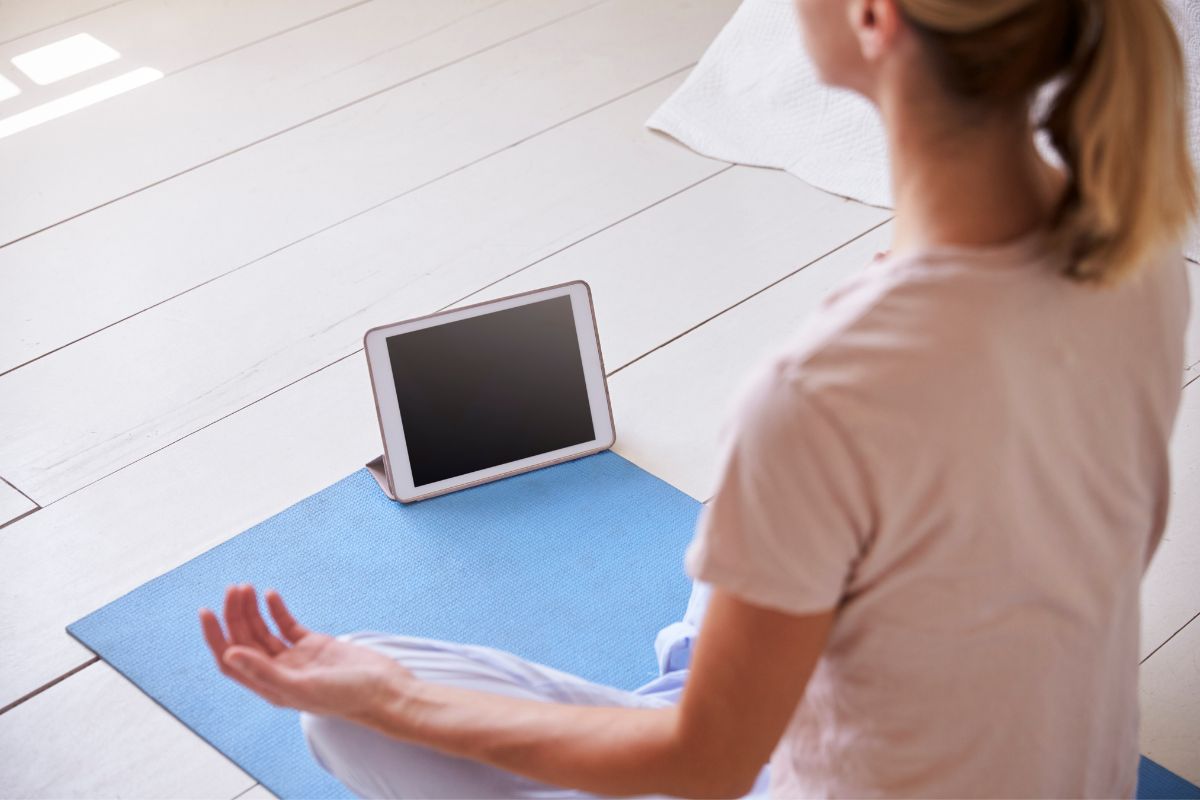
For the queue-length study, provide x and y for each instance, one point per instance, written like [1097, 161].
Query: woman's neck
[967, 184]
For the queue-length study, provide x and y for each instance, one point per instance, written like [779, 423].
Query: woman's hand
[304, 670]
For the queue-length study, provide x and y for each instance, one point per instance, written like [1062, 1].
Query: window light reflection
[64, 58]
[8, 88]
[77, 100]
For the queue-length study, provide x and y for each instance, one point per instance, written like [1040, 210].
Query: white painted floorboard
[13, 504]
[181, 365]
[96, 735]
[70, 558]
[116, 261]
[20, 18]
[198, 45]
[168, 35]
[1171, 704]
[256, 792]
[1171, 589]
[232, 100]
[1192, 350]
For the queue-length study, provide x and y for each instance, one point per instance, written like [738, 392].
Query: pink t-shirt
[966, 454]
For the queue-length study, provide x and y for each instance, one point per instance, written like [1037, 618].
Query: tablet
[485, 391]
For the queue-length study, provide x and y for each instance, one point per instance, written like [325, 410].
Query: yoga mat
[576, 566]
[1156, 782]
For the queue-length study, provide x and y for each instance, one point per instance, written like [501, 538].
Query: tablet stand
[378, 470]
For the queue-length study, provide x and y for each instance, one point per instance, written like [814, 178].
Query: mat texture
[576, 566]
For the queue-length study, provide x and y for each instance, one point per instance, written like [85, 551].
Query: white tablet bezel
[395, 452]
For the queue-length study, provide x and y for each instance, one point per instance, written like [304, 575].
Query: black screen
[490, 389]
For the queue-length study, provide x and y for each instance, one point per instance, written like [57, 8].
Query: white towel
[755, 99]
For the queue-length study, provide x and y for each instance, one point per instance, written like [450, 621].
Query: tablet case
[378, 467]
[379, 471]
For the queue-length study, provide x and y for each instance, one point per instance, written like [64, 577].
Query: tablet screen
[490, 389]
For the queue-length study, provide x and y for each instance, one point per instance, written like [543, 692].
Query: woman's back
[996, 435]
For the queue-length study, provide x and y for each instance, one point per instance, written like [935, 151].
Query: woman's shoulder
[915, 333]
[897, 319]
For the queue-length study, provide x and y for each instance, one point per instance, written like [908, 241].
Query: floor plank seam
[427, 34]
[367, 210]
[322, 115]
[275, 35]
[1169, 638]
[593, 234]
[17, 489]
[61, 22]
[774, 283]
[36, 507]
[19, 517]
[358, 350]
[244, 792]
[29, 696]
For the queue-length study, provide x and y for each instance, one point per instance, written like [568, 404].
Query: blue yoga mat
[1156, 782]
[576, 566]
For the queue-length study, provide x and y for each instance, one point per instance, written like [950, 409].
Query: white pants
[373, 765]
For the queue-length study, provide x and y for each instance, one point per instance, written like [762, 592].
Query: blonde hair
[1117, 118]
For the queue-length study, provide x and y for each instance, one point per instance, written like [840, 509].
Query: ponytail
[1118, 119]
[1120, 125]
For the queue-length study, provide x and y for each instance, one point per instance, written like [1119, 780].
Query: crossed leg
[373, 765]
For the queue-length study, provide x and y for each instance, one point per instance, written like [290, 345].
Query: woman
[936, 502]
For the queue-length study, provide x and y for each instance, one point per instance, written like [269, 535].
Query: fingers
[258, 627]
[246, 624]
[247, 654]
[291, 630]
[220, 649]
[219, 646]
[235, 618]
[214, 636]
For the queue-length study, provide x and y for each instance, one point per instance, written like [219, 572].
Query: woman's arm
[749, 672]
[610, 751]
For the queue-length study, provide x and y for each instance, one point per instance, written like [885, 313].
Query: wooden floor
[186, 270]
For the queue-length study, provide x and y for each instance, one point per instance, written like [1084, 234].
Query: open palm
[304, 670]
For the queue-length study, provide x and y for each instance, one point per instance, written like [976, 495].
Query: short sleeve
[790, 513]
